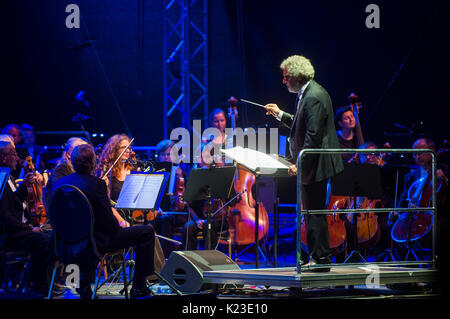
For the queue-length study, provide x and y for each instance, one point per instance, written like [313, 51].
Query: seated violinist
[115, 145]
[108, 234]
[15, 222]
[15, 132]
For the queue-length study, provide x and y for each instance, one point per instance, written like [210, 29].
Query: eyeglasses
[124, 147]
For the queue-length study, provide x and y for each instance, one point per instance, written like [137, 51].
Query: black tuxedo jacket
[312, 126]
[11, 210]
[105, 224]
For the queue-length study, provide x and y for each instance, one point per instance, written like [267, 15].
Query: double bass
[242, 216]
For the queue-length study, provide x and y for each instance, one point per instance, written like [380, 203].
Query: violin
[178, 204]
[38, 214]
[141, 217]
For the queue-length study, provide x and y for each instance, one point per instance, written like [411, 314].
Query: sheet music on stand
[142, 191]
[260, 162]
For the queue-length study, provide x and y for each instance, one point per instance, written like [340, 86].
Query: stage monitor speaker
[184, 269]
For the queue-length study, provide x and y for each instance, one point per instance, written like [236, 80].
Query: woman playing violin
[115, 145]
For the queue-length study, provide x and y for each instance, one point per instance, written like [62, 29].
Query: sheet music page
[253, 159]
[140, 191]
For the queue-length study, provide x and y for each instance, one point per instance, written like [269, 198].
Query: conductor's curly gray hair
[297, 64]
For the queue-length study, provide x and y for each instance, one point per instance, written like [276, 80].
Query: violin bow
[117, 159]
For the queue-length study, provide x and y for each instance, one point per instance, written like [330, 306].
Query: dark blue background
[42, 73]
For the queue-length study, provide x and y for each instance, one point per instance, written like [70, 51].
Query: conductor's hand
[272, 109]
[292, 171]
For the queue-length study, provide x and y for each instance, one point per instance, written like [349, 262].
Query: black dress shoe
[312, 262]
[138, 293]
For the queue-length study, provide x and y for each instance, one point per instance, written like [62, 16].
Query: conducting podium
[261, 165]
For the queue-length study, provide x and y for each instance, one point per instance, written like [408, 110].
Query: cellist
[423, 168]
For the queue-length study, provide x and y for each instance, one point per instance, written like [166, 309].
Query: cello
[413, 226]
[336, 226]
[242, 217]
[368, 230]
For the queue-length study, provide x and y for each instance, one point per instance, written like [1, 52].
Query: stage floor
[369, 275]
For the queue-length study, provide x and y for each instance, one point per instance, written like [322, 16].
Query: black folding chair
[72, 221]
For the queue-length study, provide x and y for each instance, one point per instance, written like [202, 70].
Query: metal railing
[301, 211]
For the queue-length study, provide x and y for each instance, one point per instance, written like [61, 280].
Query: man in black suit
[15, 225]
[311, 126]
[109, 236]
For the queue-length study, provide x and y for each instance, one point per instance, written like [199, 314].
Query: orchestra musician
[63, 166]
[198, 209]
[15, 132]
[15, 223]
[115, 179]
[30, 148]
[108, 234]
[218, 121]
[168, 224]
[347, 138]
[311, 126]
[423, 161]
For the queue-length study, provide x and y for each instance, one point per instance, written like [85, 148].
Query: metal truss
[185, 64]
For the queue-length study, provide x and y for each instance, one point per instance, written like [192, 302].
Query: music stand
[142, 191]
[208, 184]
[358, 180]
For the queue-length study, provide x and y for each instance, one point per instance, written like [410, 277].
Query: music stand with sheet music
[261, 164]
[358, 180]
[142, 191]
[208, 184]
